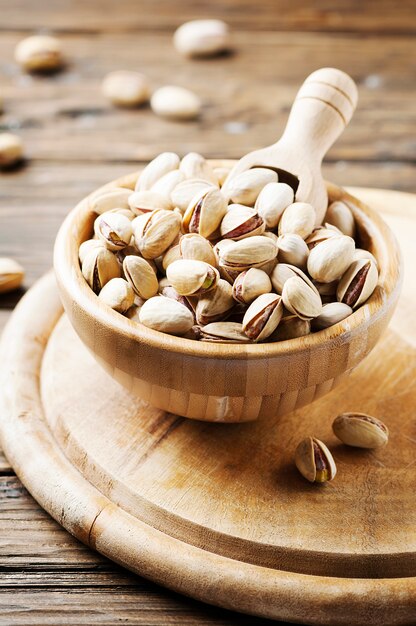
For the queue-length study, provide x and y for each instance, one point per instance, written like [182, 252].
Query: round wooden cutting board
[219, 512]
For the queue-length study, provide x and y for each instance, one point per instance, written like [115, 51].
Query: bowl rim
[386, 250]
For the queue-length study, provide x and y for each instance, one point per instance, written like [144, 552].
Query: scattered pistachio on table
[126, 88]
[245, 267]
[360, 430]
[175, 103]
[11, 274]
[39, 53]
[202, 38]
[11, 150]
[314, 461]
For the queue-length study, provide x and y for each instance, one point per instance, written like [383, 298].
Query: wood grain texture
[376, 543]
[223, 382]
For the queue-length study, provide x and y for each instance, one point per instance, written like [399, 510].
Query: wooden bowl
[222, 382]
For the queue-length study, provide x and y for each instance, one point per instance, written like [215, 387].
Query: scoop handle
[322, 109]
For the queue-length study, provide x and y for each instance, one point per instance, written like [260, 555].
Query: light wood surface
[218, 511]
[322, 109]
[224, 382]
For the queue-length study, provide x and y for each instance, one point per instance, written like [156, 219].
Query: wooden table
[76, 141]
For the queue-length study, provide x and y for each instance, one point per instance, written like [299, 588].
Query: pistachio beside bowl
[240, 380]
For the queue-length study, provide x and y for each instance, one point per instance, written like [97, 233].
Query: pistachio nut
[314, 461]
[201, 38]
[263, 316]
[300, 299]
[191, 277]
[117, 294]
[291, 327]
[245, 187]
[161, 165]
[340, 215]
[39, 53]
[168, 182]
[223, 332]
[176, 103]
[248, 252]
[241, 221]
[194, 165]
[154, 232]
[126, 88]
[215, 305]
[359, 253]
[293, 250]
[115, 198]
[358, 283]
[331, 314]
[298, 219]
[185, 191]
[250, 284]
[166, 315]
[196, 247]
[360, 430]
[205, 212]
[272, 200]
[114, 230]
[87, 246]
[11, 150]
[318, 235]
[329, 259]
[147, 201]
[221, 174]
[141, 276]
[11, 274]
[98, 267]
[283, 271]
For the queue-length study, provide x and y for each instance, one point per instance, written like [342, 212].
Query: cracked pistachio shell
[263, 316]
[87, 246]
[39, 53]
[126, 88]
[291, 327]
[194, 165]
[320, 234]
[216, 304]
[273, 199]
[245, 187]
[283, 271]
[185, 191]
[340, 215]
[98, 267]
[314, 461]
[114, 230]
[141, 276]
[293, 250]
[166, 315]
[248, 252]
[299, 219]
[168, 182]
[223, 332]
[11, 274]
[191, 277]
[331, 314]
[358, 283]
[146, 201]
[300, 299]
[205, 212]
[117, 198]
[250, 284]
[161, 165]
[196, 247]
[329, 259]
[176, 103]
[360, 430]
[11, 149]
[117, 294]
[154, 232]
[241, 221]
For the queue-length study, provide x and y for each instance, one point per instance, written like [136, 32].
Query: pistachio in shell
[360, 430]
[166, 315]
[190, 277]
[314, 461]
[263, 316]
[141, 276]
[241, 221]
[205, 212]
[358, 283]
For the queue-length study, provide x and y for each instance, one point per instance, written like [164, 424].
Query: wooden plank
[246, 96]
[57, 580]
[323, 15]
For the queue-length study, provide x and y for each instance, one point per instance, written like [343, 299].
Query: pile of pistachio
[180, 256]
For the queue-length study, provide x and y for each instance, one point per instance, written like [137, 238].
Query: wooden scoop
[323, 107]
